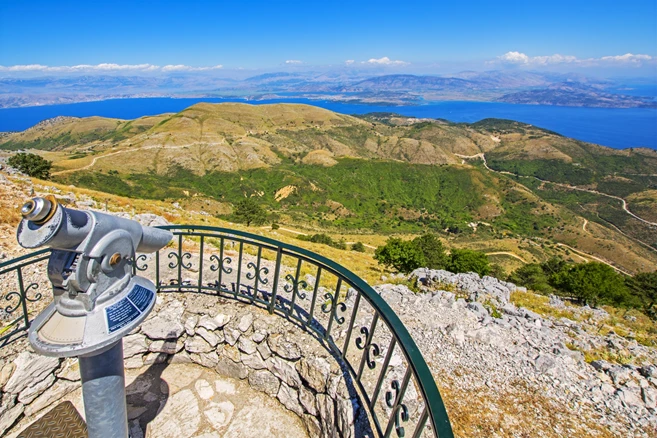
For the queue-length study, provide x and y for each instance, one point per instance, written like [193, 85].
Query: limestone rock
[544, 363]
[160, 327]
[231, 335]
[208, 360]
[284, 370]
[315, 371]
[6, 372]
[30, 369]
[253, 361]
[166, 346]
[154, 358]
[70, 370]
[9, 418]
[133, 362]
[264, 350]
[228, 368]
[307, 400]
[197, 345]
[289, 397]
[180, 417]
[245, 322]
[264, 381]
[215, 323]
[210, 336]
[284, 347]
[134, 344]
[247, 345]
[190, 325]
[51, 396]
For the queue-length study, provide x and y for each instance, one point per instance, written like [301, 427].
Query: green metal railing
[327, 301]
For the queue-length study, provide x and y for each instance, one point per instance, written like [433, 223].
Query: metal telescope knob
[38, 210]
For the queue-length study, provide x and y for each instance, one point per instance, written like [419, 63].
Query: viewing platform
[249, 337]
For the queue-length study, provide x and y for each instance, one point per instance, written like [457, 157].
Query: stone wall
[236, 340]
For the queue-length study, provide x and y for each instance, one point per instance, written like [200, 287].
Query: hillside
[482, 183]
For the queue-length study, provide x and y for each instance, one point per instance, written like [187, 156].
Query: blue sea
[614, 127]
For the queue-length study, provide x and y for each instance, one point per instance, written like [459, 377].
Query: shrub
[275, 226]
[644, 287]
[591, 283]
[358, 247]
[31, 164]
[324, 240]
[467, 260]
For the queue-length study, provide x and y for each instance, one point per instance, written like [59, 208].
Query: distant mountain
[577, 94]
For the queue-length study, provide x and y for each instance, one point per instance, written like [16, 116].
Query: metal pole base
[103, 393]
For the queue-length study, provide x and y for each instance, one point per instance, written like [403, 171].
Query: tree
[31, 164]
[433, 251]
[403, 255]
[467, 260]
[644, 287]
[250, 212]
[532, 276]
[591, 283]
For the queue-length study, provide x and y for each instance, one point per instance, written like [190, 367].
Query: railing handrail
[431, 395]
[434, 411]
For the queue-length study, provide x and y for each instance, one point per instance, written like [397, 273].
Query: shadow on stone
[147, 395]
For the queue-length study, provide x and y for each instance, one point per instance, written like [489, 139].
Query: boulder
[30, 369]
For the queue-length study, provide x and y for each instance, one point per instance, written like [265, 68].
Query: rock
[6, 372]
[247, 345]
[231, 335]
[27, 395]
[215, 323]
[180, 417]
[264, 350]
[264, 381]
[51, 396]
[315, 371]
[179, 358]
[619, 375]
[219, 414]
[160, 327]
[197, 345]
[70, 370]
[9, 418]
[228, 368]
[134, 344]
[133, 362]
[478, 309]
[259, 336]
[208, 360]
[204, 389]
[556, 302]
[210, 337]
[629, 397]
[649, 397]
[327, 415]
[307, 400]
[135, 430]
[224, 387]
[544, 363]
[166, 346]
[646, 371]
[289, 397]
[253, 361]
[284, 371]
[30, 369]
[245, 322]
[312, 425]
[601, 365]
[284, 347]
[154, 358]
[190, 325]
[456, 332]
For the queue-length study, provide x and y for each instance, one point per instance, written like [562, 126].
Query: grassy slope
[224, 152]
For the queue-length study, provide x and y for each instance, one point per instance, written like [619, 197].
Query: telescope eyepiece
[39, 210]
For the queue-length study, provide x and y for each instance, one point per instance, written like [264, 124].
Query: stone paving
[189, 401]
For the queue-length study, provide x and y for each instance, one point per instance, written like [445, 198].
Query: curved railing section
[340, 309]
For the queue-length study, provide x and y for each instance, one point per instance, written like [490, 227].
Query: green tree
[403, 255]
[248, 211]
[433, 251]
[467, 260]
[31, 164]
[532, 276]
[591, 283]
[644, 287]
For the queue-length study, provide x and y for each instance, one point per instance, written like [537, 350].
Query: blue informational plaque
[128, 309]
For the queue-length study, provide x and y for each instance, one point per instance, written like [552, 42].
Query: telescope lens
[37, 209]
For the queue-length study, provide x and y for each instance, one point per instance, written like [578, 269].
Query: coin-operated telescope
[97, 299]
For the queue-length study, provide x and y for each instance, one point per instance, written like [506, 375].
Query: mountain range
[359, 87]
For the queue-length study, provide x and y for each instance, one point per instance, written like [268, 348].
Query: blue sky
[407, 35]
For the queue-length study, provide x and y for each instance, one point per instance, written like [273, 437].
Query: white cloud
[104, 67]
[385, 61]
[627, 58]
[349, 61]
[293, 61]
[518, 58]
